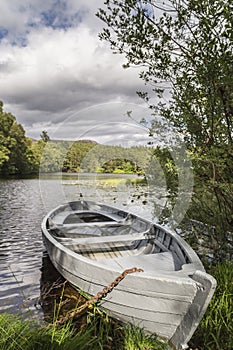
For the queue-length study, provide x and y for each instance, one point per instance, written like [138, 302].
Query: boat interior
[117, 238]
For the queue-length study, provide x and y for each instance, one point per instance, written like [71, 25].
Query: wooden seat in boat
[88, 241]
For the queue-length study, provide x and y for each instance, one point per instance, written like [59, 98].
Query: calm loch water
[23, 203]
[21, 247]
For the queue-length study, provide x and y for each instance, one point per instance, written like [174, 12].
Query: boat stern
[206, 285]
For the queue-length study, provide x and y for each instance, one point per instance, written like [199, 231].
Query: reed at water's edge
[94, 330]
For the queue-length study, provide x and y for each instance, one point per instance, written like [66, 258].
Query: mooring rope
[106, 290]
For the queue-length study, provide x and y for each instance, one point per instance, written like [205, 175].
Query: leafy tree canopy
[15, 154]
[185, 51]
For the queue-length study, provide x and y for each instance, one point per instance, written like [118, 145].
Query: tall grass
[135, 339]
[100, 335]
[215, 331]
[21, 335]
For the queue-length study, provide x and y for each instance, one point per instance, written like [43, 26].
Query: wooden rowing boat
[90, 244]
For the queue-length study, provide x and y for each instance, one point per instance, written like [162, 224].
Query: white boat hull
[167, 302]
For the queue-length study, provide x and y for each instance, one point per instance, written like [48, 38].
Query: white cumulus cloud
[52, 63]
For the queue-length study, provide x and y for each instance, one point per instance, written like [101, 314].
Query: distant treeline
[20, 155]
[88, 156]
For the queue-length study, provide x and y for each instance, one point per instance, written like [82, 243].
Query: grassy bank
[94, 330]
[98, 335]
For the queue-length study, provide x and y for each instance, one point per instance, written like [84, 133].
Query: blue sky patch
[58, 16]
[3, 33]
[20, 41]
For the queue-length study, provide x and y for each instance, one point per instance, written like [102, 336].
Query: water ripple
[21, 246]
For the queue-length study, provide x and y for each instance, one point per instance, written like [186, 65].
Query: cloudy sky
[56, 75]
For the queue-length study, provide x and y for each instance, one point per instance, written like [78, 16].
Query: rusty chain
[97, 297]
